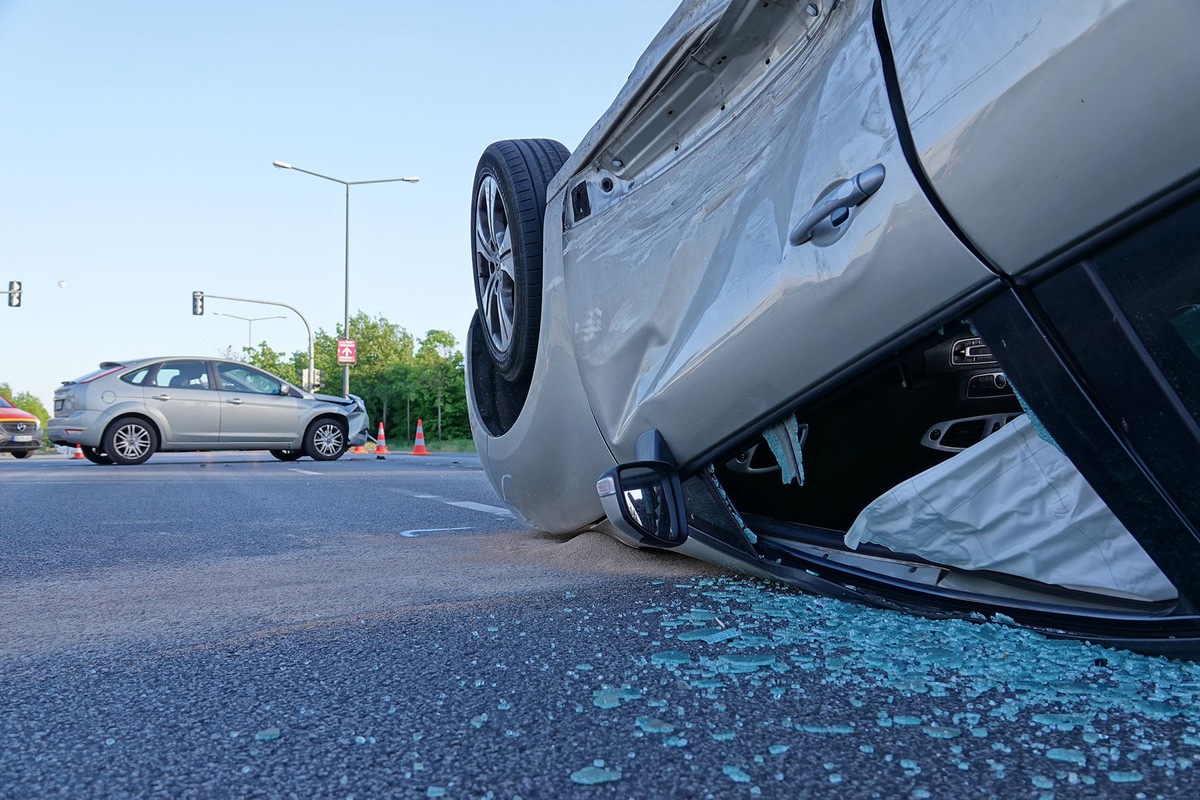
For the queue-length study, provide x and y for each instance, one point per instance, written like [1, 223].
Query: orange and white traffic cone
[419, 445]
[358, 448]
[380, 444]
[78, 453]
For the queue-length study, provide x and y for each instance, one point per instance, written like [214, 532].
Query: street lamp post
[249, 324]
[347, 184]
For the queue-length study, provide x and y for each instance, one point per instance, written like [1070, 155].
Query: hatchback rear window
[91, 376]
[137, 378]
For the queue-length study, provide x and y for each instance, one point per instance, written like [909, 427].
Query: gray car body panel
[185, 417]
[693, 314]
[553, 450]
[1038, 121]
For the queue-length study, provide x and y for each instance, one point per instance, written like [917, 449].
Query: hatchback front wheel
[325, 440]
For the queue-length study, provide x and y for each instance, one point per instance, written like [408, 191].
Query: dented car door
[757, 211]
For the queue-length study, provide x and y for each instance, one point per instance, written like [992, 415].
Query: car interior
[893, 440]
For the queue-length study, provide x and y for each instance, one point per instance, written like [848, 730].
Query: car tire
[94, 455]
[508, 208]
[325, 440]
[287, 455]
[22, 453]
[130, 440]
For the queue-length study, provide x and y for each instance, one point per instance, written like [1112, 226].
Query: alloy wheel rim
[131, 441]
[494, 270]
[328, 440]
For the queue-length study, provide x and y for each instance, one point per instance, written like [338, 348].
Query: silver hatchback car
[125, 411]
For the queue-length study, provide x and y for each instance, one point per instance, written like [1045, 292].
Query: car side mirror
[644, 502]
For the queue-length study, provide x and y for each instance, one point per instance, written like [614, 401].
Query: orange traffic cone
[78, 452]
[419, 446]
[358, 448]
[381, 444]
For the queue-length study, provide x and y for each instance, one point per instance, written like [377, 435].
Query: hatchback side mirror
[644, 502]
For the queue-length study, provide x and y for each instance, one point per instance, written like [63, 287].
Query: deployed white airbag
[1013, 504]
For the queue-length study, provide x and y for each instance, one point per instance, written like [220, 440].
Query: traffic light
[14, 293]
[197, 303]
[312, 383]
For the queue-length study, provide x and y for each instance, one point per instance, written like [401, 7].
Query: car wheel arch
[313, 446]
[155, 444]
[510, 214]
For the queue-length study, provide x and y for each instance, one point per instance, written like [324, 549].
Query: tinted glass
[241, 378]
[181, 375]
[136, 378]
[1154, 276]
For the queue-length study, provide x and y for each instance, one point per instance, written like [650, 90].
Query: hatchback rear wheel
[94, 455]
[130, 440]
[506, 231]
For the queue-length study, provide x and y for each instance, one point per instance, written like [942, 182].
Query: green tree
[439, 386]
[275, 362]
[382, 346]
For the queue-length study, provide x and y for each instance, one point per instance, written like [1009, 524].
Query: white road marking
[467, 504]
[413, 533]
[500, 512]
[304, 471]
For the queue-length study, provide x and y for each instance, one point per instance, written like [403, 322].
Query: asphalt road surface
[233, 626]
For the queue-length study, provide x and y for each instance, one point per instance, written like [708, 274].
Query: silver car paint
[554, 448]
[1040, 120]
[692, 314]
[250, 417]
[184, 416]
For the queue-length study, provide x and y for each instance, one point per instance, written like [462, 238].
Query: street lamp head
[281, 164]
[413, 179]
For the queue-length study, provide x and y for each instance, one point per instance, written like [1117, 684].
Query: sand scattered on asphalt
[358, 576]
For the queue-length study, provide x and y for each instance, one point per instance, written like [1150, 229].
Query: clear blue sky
[136, 150]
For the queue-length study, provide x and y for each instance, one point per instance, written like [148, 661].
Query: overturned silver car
[896, 301]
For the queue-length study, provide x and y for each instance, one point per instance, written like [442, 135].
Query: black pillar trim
[1101, 452]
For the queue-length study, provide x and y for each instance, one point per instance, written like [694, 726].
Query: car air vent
[971, 352]
[759, 458]
[991, 384]
[956, 435]
[581, 204]
[962, 435]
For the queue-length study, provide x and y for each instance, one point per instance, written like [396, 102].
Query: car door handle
[836, 205]
[161, 397]
[237, 401]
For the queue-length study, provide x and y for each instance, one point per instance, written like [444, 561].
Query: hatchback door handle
[237, 401]
[835, 207]
[161, 397]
